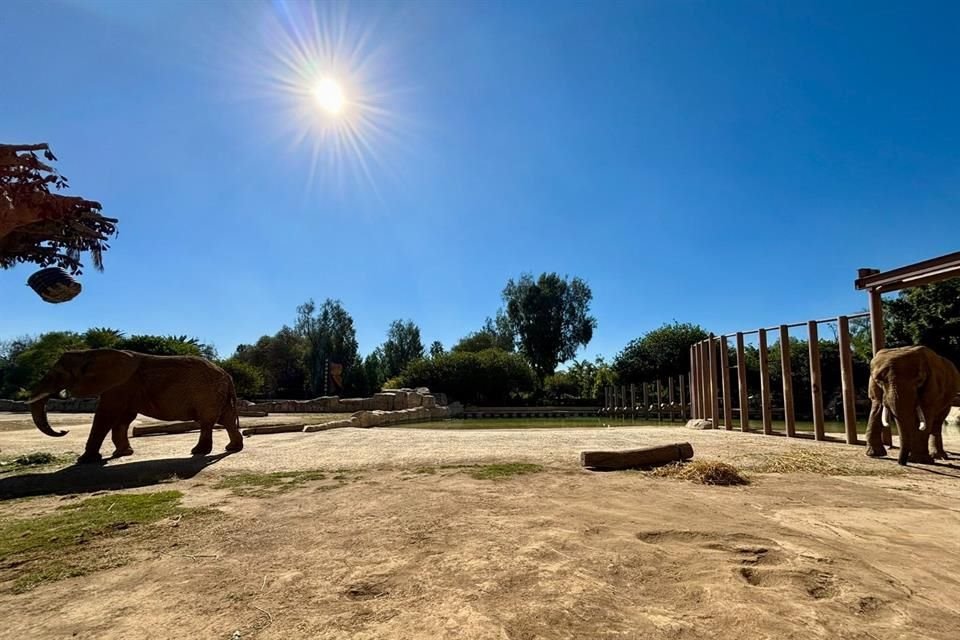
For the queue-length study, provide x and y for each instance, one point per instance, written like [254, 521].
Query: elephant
[917, 386]
[130, 383]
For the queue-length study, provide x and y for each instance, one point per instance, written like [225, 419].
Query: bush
[490, 376]
[247, 378]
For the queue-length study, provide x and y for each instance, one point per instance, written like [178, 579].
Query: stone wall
[386, 400]
[71, 405]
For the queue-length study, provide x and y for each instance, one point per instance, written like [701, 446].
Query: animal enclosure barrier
[713, 378]
[648, 400]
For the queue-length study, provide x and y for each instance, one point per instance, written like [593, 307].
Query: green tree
[402, 346]
[102, 338]
[28, 360]
[247, 378]
[928, 316]
[374, 371]
[167, 346]
[488, 377]
[550, 318]
[436, 349]
[660, 353]
[330, 337]
[282, 360]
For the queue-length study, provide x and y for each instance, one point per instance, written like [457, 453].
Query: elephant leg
[913, 442]
[232, 425]
[935, 435]
[120, 435]
[102, 422]
[205, 443]
[875, 448]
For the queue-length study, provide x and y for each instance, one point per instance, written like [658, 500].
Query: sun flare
[329, 95]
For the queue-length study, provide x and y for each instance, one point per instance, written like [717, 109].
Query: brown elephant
[129, 383]
[917, 386]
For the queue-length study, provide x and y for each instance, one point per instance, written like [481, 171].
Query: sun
[329, 96]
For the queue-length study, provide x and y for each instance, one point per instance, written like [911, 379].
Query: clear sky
[725, 163]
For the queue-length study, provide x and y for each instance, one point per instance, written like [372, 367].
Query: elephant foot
[90, 457]
[233, 447]
[119, 453]
[876, 452]
[201, 449]
[921, 458]
[939, 455]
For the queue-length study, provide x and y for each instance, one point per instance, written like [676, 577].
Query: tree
[374, 371]
[436, 349]
[660, 353]
[166, 346]
[928, 316]
[331, 338]
[247, 378]
[282, 360]
[43, 227]
[475, 342]
[488, 377]
[29, 359]
[550, 319]
[402, 346]
[102, 338]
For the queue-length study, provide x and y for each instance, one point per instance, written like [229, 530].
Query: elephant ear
[98, 370]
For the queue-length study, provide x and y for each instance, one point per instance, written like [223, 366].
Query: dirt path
[395, 550]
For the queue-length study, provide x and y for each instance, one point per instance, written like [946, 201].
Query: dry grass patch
[703, 472]
[803, 460]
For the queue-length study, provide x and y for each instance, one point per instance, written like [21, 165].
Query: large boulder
[700, 423]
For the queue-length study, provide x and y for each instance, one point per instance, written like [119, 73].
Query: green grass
[262, 485]
[32, 461]
[54, 546]
[486, 471]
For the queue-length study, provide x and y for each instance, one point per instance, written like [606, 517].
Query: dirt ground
[397, 541]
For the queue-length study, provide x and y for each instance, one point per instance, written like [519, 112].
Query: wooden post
[683, 399]
[714, 387]
[704, 387]
[646, 401]
[878, 341]
[725, 370]
[846, 377]
[633, 399]
[767, 409]
[742, 385]
[816, 389]
[659, 402]
[671, 399]
[785, 368]
[693, 392]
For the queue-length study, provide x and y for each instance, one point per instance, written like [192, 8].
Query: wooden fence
[657, 399]
[712, 376]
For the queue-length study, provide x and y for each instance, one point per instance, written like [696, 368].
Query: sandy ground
[387, 552]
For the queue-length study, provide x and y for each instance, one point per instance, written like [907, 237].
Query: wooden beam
[939, 268]
[766, 406]
[816, 388]
[725, 372]
[693, 392]
[683, 399]
[636, 458]
[846, 378]
[742, 385]
[714, 386]
[786, 370]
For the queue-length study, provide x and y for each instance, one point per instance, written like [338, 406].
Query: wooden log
[846, 379]
[725, 372]
[636, 458]
[164, 428]
[766, 403]
[252, 413]
[742, 385]
[789, 417]
[272, 428]
[816, 389]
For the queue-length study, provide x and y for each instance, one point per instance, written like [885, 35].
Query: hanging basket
[54, 285]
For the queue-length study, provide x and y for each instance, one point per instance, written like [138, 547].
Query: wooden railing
[648, 400]
[712, 391]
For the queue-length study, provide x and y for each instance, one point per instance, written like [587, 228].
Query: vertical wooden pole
[704, 387]
[742, 385]
[714, 384]
[646, 400]
[659, 401]
[816, 389]
[786, 370]
[673, 407]
[693, 376]
[878, 341]
[766, 407]
[725, 371]
[683, 399]
[846, 377]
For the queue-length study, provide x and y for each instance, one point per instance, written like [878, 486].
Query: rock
[700, 423]
[366, 419]
[334, 424]
[384, 401]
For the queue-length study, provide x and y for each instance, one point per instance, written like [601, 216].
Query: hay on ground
[703, 472]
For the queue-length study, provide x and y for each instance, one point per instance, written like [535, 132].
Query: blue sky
[725, 163]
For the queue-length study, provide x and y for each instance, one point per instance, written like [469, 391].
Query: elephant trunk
[38, 409]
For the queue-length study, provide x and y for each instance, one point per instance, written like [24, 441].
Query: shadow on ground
[89, 478]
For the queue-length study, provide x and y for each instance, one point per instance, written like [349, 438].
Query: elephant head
[83, 374]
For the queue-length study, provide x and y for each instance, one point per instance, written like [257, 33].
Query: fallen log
[636, 458]
[166, 427]
[252, 413]
[271, 428]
